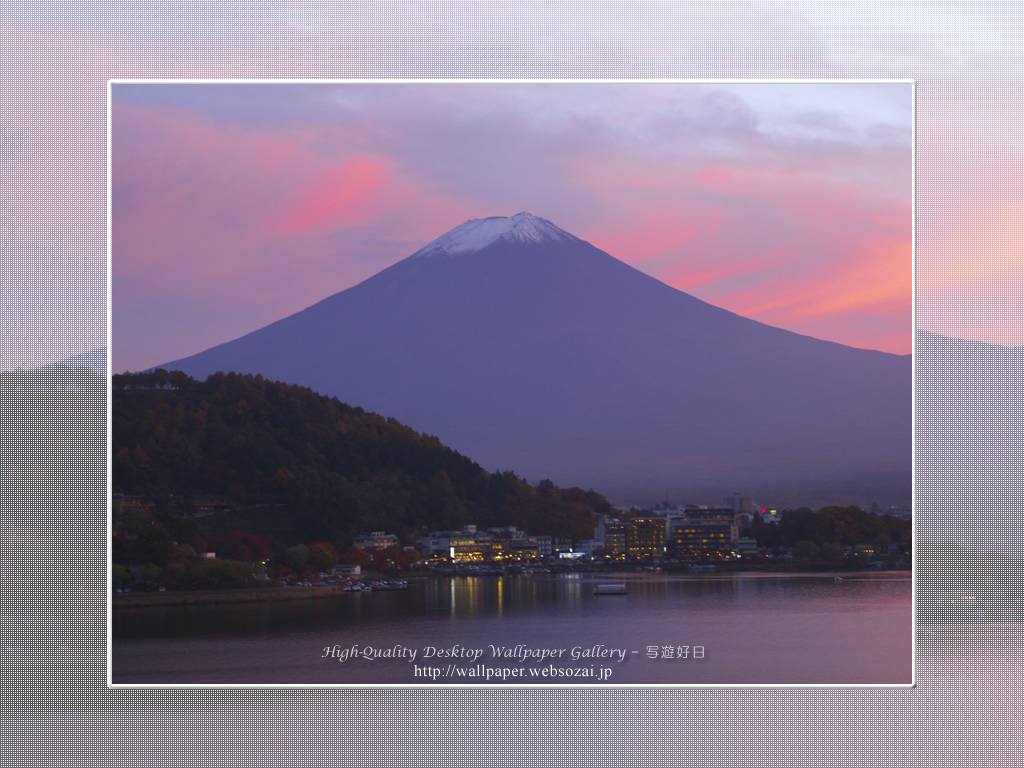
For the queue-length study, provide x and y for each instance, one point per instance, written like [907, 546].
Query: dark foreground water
[539, 630]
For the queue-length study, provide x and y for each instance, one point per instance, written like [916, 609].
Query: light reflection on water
[755, 629]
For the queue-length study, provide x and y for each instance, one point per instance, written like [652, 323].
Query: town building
[347, 570]
[545, 546]
[770, 516]
[645, 538]
[466, 545]
[615, 535]
[701, 530]
[375, 540]
[746, 547]
[212, 504]
[587, 546]
[123, 503]
[495, 544]
[510, 543]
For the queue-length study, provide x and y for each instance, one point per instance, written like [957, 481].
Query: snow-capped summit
[477, 234]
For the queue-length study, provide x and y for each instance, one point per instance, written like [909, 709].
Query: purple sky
[234, 205]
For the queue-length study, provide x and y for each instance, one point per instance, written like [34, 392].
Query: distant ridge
[95, 359]
[525, 346]
[970, 431]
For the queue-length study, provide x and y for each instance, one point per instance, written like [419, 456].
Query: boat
[610, 589]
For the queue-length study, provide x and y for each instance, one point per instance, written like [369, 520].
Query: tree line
[824, 534]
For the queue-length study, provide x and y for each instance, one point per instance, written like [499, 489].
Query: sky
[233, 205]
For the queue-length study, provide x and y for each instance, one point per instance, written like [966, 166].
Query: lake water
[542, 629]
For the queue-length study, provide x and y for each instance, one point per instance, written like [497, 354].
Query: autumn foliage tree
[303, 468]
[322, 555]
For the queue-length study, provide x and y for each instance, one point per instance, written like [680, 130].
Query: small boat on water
[610, 589]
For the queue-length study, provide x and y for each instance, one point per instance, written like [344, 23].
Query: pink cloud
[848, 250]
[860, 295]
[182, 183]
[648, 233]
[707, 272]
[807, 243]
[199, 202]
[344, 195]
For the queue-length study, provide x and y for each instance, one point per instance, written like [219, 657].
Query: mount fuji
[527, 348]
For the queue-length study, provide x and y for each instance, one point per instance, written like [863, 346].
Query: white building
[375, 540]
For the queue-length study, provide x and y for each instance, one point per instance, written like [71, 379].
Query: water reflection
[499, 597]
[798, 629]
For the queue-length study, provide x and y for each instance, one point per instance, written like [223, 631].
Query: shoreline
[213, 596]
[282, 593]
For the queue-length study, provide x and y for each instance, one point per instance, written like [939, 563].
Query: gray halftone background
[57, 60]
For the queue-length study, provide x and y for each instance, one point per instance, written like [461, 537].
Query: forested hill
[333, 470]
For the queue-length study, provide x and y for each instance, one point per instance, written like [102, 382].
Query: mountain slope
[96, 359]
[311, 468]
[528, 348]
